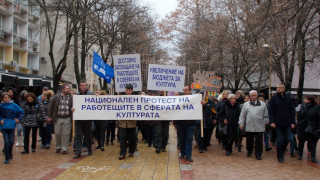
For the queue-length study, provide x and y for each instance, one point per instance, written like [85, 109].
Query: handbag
[309, 128]
[223, 129]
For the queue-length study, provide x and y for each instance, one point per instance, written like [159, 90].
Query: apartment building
[20, 43]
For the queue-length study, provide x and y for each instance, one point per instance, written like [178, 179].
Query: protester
[242, 133]
[229, 116]
[20, 128]
[34, 115]
[83, 127]
[10, 114]
[13, 95]
[240, 97]
[186, 129]
[59, 113]
[101, 126]
[267, 133]
[282, 117]
[111, 132]
[224, 98]
[253, 118]
[46, 127]
[309, 126]
[161, 130]
[127, 130]
[44, 89]
[209, 116]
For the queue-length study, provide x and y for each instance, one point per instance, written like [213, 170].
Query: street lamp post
[270, 67]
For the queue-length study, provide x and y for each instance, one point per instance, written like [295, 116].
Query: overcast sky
[160, 7]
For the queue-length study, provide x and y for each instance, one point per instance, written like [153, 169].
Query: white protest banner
[136, 107]
[166, 78]
[127, 71]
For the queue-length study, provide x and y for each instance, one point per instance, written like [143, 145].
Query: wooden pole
[201, 122]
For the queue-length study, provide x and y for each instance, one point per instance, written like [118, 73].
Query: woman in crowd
[242, 133]
[10, 114]
[34, 113]
[309, 115]
[229, 116]
[47, 127]
[240, 97]
[101, 126]
[224, 98]
[20, 129]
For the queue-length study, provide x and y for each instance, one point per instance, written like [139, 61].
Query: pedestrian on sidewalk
[83, 127]
[186, 130]
[209, 120]
[34, 115]
[229, 116]
[161, 130]
[46, 127]
[10, 115]
[255, 116]
[127, 130]
[59, 113]
[282, 118]
[309, 115]
[267, 132]
[20, 128]
[101, 127]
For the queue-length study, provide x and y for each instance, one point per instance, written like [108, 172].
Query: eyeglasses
[186, 89]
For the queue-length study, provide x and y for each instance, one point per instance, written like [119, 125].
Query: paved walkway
[146, 164]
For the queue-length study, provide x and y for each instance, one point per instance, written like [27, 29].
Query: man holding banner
[83, 127]
[186, 130]
[127, 130]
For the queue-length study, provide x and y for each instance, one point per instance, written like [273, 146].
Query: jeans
[283, 137]
[46, 134]
[292, 142]
[26, 137]
[8, 138]
[20, 129]
[185, 137]
[267, 135]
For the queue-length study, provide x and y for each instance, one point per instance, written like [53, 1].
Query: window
[1, 53]
[16, 56]
[30, 33]
[16, 28]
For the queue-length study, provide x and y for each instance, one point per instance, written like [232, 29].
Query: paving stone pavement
[146, 164]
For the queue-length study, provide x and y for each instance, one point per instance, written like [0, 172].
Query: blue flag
[101, 68]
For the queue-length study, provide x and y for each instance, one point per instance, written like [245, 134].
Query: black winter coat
[308, 113]
[231, 113]
[281, 111]
[208, 115]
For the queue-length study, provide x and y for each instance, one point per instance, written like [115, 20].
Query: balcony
[6, 10]
[16, 38]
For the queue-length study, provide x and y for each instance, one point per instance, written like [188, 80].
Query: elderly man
[282, 118]
[253, 119]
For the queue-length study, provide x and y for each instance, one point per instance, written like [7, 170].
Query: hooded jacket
[9, 112]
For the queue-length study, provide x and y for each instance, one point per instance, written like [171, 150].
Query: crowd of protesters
[232, 116]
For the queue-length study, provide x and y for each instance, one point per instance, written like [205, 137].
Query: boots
[19, 141]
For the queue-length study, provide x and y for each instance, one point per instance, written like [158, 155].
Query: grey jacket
[255, 117]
